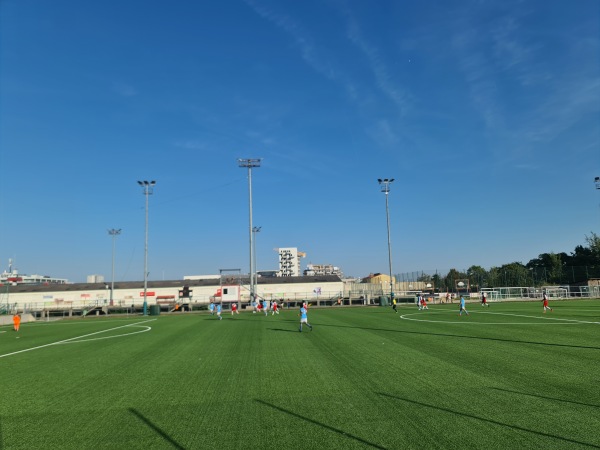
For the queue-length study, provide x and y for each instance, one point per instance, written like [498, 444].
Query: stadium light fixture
[114, 233]
[597, 182]
[250, 164]
[385, 188]
[148, 189]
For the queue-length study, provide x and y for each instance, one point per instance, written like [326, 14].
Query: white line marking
[145, 328]
[68, 341]
[536, 317]
[564, 321]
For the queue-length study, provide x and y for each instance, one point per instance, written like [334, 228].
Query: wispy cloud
[124, 89]
[301, 36]
[191, 144]
[527, 93]
[377, 64]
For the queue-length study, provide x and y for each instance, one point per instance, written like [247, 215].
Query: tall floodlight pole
[254, 231]
[114, 233]
[148, 189]
[597, 182]
[385, 188]
[249, 164]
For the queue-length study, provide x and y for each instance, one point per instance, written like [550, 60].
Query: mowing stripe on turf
[67, 341]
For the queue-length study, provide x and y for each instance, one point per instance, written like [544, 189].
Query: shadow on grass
[283, 329]
[422, 333]
[545, 398]
[495, 422]
[314, 422]
[158, 431]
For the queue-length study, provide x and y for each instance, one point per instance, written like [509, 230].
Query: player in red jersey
[484, 299]
[545, 302]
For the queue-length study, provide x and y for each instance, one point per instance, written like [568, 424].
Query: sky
[485, 113]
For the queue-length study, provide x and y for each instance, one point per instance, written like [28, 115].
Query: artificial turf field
[507, 376]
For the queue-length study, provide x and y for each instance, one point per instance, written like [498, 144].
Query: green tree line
[580, 265]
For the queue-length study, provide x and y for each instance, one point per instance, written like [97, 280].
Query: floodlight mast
[597, 182]
[148, 189]
[255, 230]
[249, 164]
[385, 188]
[114, 233]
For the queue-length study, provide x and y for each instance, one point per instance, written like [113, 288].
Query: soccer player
[462, 307]
[394, 306]
[275, 306]
[234, 309]
[484, 299]
[545, 303]
[424, 303]
[211, 308]
[304, 318]
[219, 311]
[266, 307]
[16, 322]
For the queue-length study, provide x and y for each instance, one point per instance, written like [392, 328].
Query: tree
[477, 276]
[513, 274]
[593, 243]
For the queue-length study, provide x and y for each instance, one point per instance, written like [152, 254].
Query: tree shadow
[314, 422]
[546, 398]
[155, 428]
[495, 422]
[422, 333]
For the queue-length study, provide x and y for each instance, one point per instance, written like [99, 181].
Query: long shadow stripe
[470, 416]
[335, 430]
[160, 432]
[554, 399]
[423, 333]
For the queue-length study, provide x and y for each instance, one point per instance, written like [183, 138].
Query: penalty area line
[68, 341]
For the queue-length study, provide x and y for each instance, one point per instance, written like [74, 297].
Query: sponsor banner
[148, 294]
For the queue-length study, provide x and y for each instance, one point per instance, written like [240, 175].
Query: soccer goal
[556, 292]
[492, 294]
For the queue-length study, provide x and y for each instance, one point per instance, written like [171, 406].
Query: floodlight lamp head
[140, 183]
[152, 183]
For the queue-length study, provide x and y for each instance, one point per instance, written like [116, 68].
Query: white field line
[541, 322]
[536, 317]
[68, 341]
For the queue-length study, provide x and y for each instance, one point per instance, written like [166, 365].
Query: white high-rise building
[95, 278]
[289, 262]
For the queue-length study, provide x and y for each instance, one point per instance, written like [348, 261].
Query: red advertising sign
[148, 294]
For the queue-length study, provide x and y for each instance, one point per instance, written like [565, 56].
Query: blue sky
[486, 113]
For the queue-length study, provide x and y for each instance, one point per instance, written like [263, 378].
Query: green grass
[504, 377]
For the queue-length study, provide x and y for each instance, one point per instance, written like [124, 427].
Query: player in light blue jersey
[462, 307]
[219, 311]
[304, 318]
[211, 308]
[265, 307]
